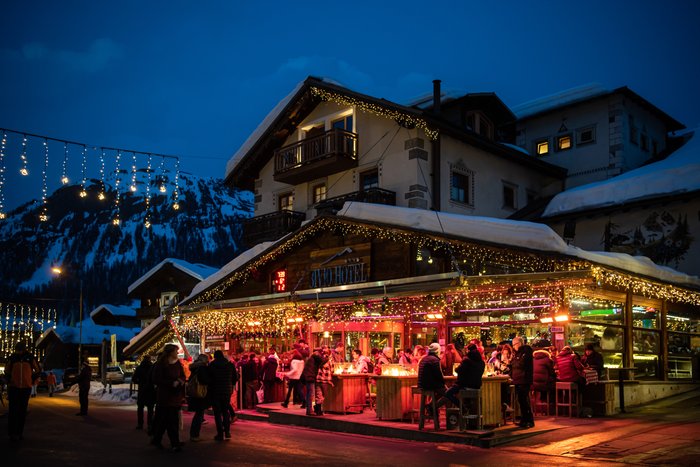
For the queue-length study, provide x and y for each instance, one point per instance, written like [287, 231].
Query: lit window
[510, 195]
[460, 188]
[542, 147]
[563, 142]
[286, 202]
[319, 193]
[585, 136]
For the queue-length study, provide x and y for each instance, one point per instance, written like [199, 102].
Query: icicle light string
[133, 172]
[161, 185]
[176, 192]
[117, 194]
[3, 147]
[147, 220]
[23, 157]
[101, 196]
[44, 216]
[64, 167]
[23, 323]
[83, 176]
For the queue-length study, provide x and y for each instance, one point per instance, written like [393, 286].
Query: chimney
[436, 96]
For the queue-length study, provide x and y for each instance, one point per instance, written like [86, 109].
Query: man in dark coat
[593, 359]
[430, 375]
[169, 378]
[222, 378]
[84, 378]
[469, 374]
[308, 376]
[250, 370]
[20, 368]
[146, 396]
[521, 374]
[268, 375]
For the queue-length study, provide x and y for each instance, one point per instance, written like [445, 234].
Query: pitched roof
[243, 167]
[114, 310]
[678, 173]
[491, 231]
[197, 271]
[588, 92]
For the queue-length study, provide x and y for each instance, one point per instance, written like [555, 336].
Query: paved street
[55, 436]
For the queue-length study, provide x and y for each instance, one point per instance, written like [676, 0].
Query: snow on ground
[120, 393]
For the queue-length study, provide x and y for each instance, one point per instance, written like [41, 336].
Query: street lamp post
[57, 270]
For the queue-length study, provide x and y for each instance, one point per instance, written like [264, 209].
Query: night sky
[195, 78]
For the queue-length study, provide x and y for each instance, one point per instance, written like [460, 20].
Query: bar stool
[538, 404]
[424, 394]
[474, 395]
[414, 411]
[567, 397]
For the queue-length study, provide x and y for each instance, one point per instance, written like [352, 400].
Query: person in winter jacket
[569, 367]
[543, 377]
[268, 375]
[324, 380]
[449, 358]
[294, 378]
[469, 374]
[593, 359]
[222, 379]
[146, 396]
[430, 375]
[308, 376]
[360, 362]
[199, 370]
[521, 375]
[20, 367]
[84, 378]
[169, 378]
[250, 371]
[51, 382]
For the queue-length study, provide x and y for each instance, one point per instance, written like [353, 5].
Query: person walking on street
[521, 374]
[19, 371]
[146, 395]
[249, 373]
[198, 399]
[222, 378]
[169, 378]
[84, 378]
[51, 383]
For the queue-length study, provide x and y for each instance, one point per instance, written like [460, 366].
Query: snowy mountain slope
[80, 233]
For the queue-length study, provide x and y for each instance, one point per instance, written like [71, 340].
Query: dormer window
[479, 123]
[542, 147]
[564, 142]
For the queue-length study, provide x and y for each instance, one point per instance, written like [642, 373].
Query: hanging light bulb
[101, 196]
[162, 188]
[132, 188]
[64, 176]
[147, 224]
[176, 206]
[115, 221]
[64, 180]
[24, 171]
[23, 157]
[83, 193]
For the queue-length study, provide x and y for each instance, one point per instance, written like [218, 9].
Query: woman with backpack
[197, 400]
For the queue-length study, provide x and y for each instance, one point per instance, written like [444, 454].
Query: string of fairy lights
[23, 323]
[123, 181]
[402, 118]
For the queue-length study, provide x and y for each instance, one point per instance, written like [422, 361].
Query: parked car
[70, 377]
[114, 375]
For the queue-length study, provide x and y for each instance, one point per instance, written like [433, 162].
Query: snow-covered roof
[93, 333]
[560, 99]
[230, 267]
[260, 130]
[115, 310]
[513, 146]
[198, 271]
[678, 173]
[154, 324]
[158, 327]
[508, 233]
[44, 335]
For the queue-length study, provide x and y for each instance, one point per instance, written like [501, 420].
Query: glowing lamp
[56, 270]
[326, 334]
[132, 188]
[83, 193]
[299, 319]
[438, 315]
[101, 196]
[64, 180]
[115, 221]
[2, 215]
[147, 224]
[176, 206]
[162, 189]
[43, 217]
[561, 318]
[24, 171]
[546, 320]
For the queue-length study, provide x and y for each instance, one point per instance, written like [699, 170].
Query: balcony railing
[271, 226]
[319, 156]
[370, 195]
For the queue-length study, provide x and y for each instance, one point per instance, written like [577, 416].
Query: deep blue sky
[195, 78]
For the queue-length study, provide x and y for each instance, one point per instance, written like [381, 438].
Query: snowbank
[120, 393]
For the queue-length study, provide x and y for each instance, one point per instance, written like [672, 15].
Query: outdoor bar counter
[347, 393]
[395, 399]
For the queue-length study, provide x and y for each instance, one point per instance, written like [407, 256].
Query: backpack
[195, 389]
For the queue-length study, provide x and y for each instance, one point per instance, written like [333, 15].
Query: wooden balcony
[271, 226]
[371, 195]
[316, 157]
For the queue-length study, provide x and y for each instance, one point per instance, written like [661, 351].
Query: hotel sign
[340, 266]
